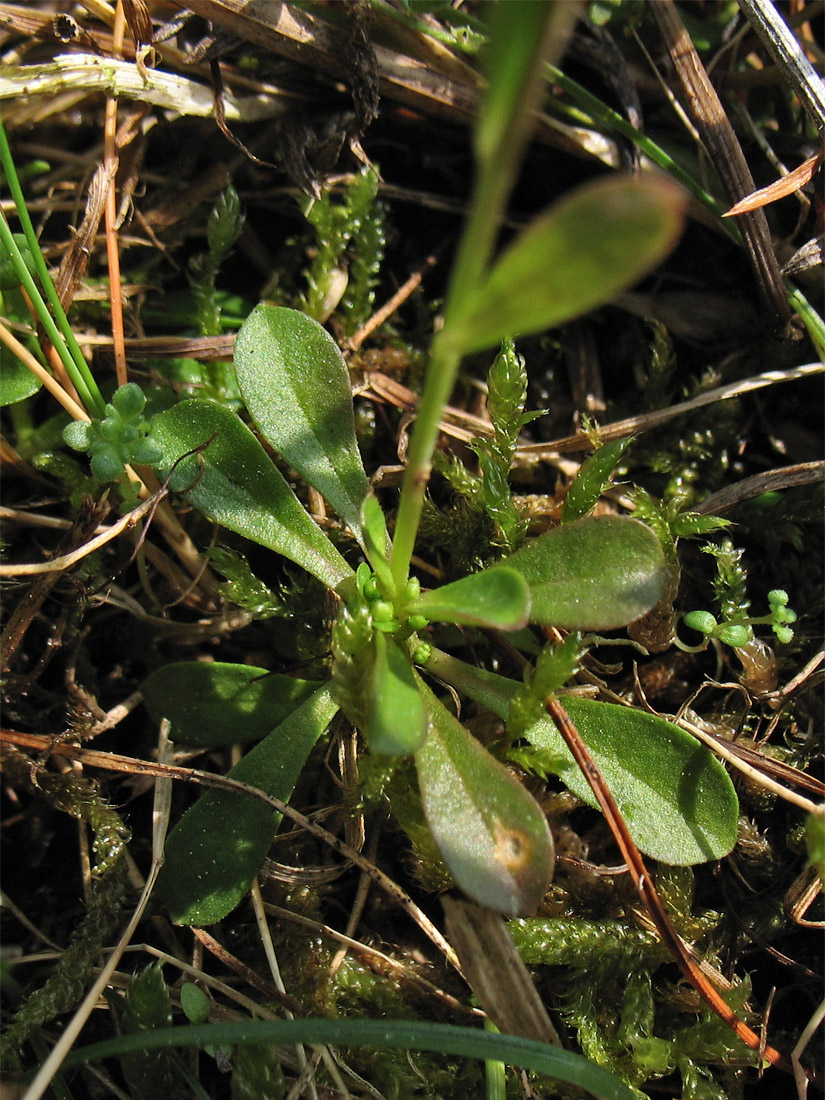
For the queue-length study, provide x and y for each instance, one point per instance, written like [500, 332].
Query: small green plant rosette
[117, 439]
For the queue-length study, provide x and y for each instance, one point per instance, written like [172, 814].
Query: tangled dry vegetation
[181, 164]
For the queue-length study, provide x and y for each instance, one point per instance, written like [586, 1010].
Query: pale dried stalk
[160, 822]
[725, 152]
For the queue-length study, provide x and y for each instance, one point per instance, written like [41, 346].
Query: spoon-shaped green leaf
[594, 574]
[496, 598]
[236, 484]
[596, 241]
[296, 386]
[397, 722]
[489, 830]
[215, 703]
[219, 844]
[676, 797]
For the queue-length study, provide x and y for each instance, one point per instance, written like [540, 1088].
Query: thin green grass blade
[64, 341]
[464, 1042]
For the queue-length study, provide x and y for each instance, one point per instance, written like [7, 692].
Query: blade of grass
[810, 318]
[57, 327]
[378, 1035]
[776, 36]
[609, 119]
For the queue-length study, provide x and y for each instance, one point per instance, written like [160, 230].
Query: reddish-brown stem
[647, 891]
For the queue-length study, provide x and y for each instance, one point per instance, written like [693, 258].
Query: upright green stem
[63, 340]
[445, 359]
[521, 36]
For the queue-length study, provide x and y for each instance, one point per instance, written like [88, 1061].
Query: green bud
[777, 597]
[422, 653]
[382, 612]
[417, 622]
[412, 589]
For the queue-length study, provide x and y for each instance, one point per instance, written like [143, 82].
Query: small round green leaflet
[489, 830]
[296, 386]
[16, 381]
[194, 1002]
[234, 482]
[464, 1042]
[594, 574]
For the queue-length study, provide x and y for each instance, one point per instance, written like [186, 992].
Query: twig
[800, 1077]
[635, 424]
[783, 47]
[65, 561]
[721, 748]
[275, 970]
[786, 477]
[116, 762]
[160, 820]
[52, 385]
[110, 163]
[379, 959]
[389, 307]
